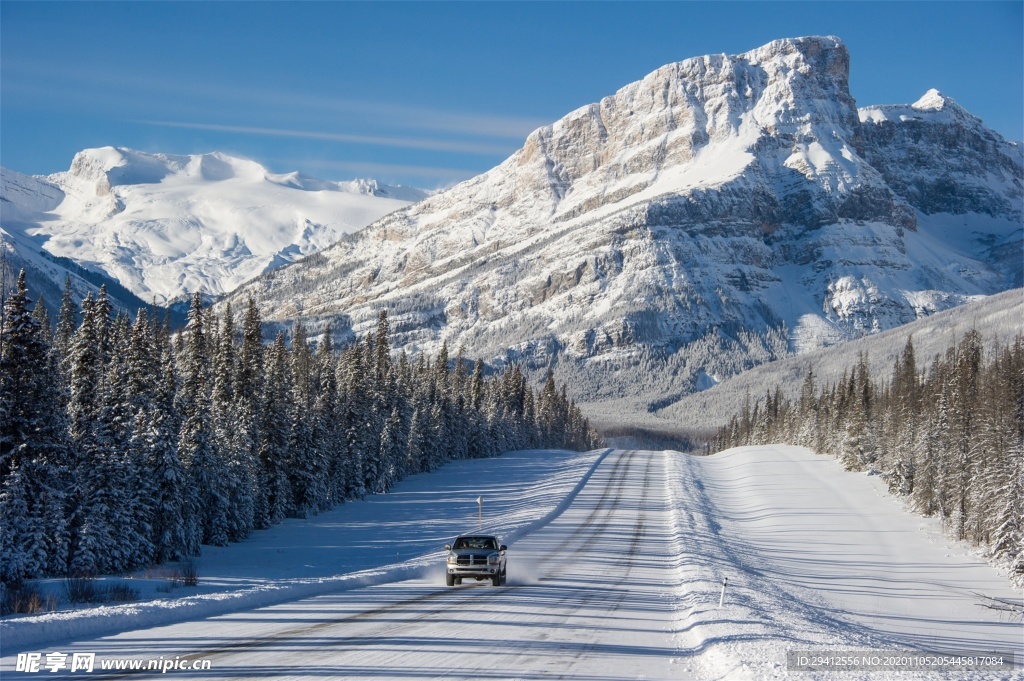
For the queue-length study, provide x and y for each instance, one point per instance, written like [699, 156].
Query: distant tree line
[123, 444]
[949, 437]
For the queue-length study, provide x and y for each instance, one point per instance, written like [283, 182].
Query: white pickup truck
[479, 556]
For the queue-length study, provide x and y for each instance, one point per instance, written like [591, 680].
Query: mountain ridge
[721, 212]
[167, 225]
[720, 192]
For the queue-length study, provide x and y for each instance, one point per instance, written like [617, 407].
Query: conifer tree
[196, 444]
[307, 467]
[171, 531]
[21, 533]
[275, 432]
[360, 448]
[29, 426]
[231, 433]
[328, 436]
[67, 322]
[249, 388]
[390, 453]
[96, 471]
[42, 318]
[416, 454]
[33, 434]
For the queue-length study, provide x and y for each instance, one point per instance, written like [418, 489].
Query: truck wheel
[449, 580]
[496, 579]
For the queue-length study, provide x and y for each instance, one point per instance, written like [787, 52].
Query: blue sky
[431, 93]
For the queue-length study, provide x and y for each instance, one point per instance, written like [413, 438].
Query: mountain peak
[703, 122]
[116, 166]
[716, 194]
[812, 47]
[932, 107]
[121, 166]
[933, 100]
[823, 59]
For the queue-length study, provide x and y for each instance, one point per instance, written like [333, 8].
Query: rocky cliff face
[718, 194]
[941, 159]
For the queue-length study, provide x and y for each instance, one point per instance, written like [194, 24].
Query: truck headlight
[493, 559]
[453, 558]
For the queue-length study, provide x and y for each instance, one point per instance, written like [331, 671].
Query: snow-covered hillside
[719, 195]
[165, 225]
[997, 318]
[615, 565]
[23, 200]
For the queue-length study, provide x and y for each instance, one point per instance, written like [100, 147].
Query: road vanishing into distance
[625, 584]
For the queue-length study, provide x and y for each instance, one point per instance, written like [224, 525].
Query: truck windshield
[476, 543]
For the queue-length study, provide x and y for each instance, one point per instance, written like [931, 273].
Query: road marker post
[480, 513]
[721, 599]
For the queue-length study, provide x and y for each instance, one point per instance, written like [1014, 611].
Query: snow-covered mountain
[717, 196]
[165, 225]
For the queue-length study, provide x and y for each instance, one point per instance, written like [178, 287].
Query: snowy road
[589, 596]
[624, 584]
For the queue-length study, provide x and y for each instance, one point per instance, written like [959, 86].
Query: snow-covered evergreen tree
[307, 467]
[121, 444]
[30, 423]
[94, 497]
[196, 443]
[22, 534]
[171, 530]
[249, 390]
[67, 322]
[361, 448]
[275, 431]
[391, 446]
[328, 434]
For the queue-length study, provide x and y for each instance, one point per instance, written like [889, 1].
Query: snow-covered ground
[821, 559]
[615, 569]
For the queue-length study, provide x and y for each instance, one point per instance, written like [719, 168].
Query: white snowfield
[620, 580]
[167, 225]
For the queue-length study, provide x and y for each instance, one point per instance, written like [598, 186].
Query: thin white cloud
[98, 88]
[426, 118]
[372, 140]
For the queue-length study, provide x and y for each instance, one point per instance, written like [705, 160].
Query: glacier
[164, 226]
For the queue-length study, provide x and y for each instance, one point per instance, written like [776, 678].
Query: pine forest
[124, 444]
